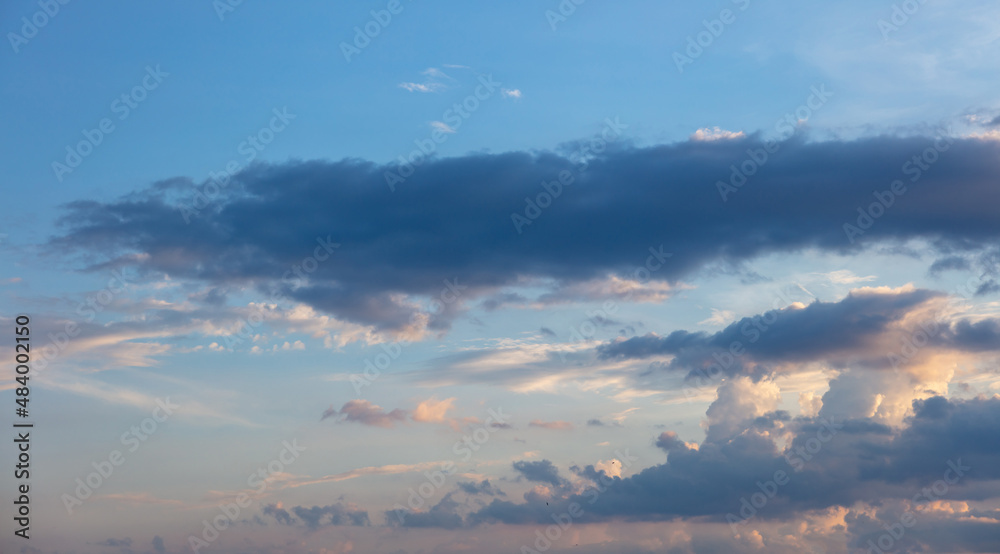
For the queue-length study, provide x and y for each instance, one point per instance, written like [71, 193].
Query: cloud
[511, 93]
[271, 217]
[422, 87]
[484, 487]
[442, 515]
[433, 411]
[551, 425]
[542, 472]
[831, 465]
[443, 127]
[863, 328]
[316, 517]
[710, 134]
[158, 545]
[719, 317]
[432, 83]
[366, 413]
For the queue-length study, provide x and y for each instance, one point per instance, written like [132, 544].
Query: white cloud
[719, 317]
[422, 87]
[716, 133]
[442, 126]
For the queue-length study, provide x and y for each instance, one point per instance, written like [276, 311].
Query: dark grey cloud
[442, 515]
[542, 472]
[452, 219]
[317, 516]
[983, 335]
[158, 546]
[950, 263]
[849, 332]
[828, 463]
[668, 441]
[484, 487]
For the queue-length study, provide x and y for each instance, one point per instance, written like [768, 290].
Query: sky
[559, 276]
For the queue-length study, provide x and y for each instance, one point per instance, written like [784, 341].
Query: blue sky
[203, 211]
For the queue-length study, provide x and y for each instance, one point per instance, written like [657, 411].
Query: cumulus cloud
[838, 465]
[542, 472]
[483, 487]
